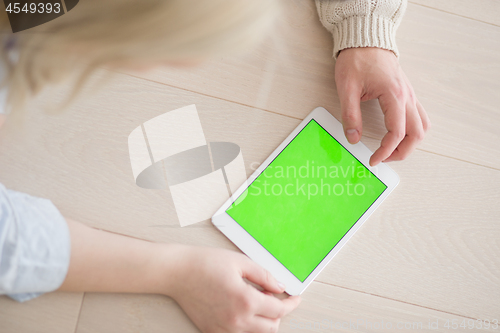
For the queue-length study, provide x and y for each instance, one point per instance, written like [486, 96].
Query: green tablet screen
[306, 200]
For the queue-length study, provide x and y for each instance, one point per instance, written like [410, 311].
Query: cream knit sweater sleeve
[362, 23]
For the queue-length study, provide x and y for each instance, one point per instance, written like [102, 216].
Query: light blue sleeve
[34, 245]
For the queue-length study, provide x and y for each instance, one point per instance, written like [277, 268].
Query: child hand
[210, 287]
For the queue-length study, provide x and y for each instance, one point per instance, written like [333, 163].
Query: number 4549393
[41, 8]
[471, 324]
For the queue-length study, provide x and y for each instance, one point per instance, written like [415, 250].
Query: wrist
[169, 267]
[362, 31]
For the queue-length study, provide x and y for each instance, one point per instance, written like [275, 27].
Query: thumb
[258, 275]
[351, 115]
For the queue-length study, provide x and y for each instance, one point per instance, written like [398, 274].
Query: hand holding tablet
[305, 201]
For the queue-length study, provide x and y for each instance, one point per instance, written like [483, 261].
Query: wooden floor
[429, 254]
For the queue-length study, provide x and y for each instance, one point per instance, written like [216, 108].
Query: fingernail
[352, 135]
[281, 286]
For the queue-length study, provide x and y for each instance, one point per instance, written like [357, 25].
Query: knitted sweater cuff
[364, 31]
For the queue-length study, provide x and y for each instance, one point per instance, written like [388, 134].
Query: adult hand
[211, 289]
[367, 73]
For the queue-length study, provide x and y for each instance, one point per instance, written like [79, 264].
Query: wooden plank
[481, 10]
[452, 62]
[49, 313]
[432, 243]
[326, 308]
[323, 308]
[123, 313]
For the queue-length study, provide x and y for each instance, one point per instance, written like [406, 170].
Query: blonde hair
[97, 33]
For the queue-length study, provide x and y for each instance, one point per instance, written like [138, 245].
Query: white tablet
[305, 201]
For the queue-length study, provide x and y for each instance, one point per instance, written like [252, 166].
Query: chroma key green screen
[306, 200]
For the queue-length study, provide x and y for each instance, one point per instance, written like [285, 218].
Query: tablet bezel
[253, 249]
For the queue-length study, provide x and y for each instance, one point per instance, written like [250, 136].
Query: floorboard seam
[458, 159]
[206, 95]
[397, 300]
[292, 117]
[79, 313]
[444, 11]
